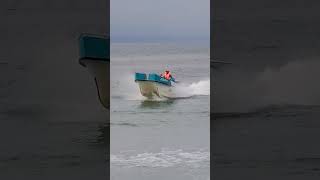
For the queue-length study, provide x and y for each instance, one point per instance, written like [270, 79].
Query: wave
[165, 158]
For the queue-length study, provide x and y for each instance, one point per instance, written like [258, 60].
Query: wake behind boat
[154, 86]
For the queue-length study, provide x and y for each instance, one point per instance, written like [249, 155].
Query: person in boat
[167, 75]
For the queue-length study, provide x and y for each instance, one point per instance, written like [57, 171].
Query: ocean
[274, 142]
[52, 125]
[161, 138]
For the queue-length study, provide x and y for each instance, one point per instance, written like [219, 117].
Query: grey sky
[155, 19]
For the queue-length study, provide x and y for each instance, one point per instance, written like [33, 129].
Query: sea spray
[196, 88]
[126, 88]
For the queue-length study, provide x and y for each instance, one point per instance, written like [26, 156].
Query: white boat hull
[152, 89]
[100, 70]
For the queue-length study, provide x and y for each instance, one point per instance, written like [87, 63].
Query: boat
[95, 56]
[153, 86]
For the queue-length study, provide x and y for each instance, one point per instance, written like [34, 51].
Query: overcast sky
[160, 20]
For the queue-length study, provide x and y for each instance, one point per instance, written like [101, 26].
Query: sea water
[160, 138]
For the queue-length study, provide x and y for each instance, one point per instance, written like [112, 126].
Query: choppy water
[160, 139]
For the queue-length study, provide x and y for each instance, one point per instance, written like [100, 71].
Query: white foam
[165, 158]
[196, 88]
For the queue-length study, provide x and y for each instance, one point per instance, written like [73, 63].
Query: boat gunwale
[155, 82]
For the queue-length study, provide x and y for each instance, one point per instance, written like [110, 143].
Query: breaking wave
[165, 158]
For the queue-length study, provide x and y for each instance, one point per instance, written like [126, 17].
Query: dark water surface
[274, 142]
[51, 123]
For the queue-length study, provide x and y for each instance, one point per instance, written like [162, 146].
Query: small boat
[154, 86]
[95, 56]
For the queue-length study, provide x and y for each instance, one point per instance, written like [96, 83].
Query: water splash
[126, 88]
[194, 89]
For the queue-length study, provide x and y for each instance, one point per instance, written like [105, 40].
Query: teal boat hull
[152, 77]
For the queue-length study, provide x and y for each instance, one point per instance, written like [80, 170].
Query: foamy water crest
[165, 158]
